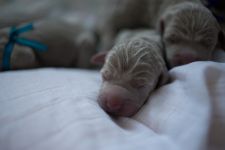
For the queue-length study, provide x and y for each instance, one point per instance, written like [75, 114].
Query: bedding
[44, 109]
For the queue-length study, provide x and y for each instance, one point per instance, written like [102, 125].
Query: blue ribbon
[15, 39]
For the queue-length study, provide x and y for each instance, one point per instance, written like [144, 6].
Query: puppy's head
[129, 74]
[190, 33]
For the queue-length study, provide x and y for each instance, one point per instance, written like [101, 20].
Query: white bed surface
[56, 109]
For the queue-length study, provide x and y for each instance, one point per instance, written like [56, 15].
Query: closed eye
[138, 83]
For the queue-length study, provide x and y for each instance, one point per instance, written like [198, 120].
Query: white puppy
[132, 70]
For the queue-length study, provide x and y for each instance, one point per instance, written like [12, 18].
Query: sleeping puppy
[188, 29]
[68, 45]
[133, 68]
[190, 33]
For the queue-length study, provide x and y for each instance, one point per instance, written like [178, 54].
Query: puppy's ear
[99, 58]
[221, 40]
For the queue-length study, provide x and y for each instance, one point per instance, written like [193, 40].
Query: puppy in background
[69, 40]
[133, 68]
[68, 45]
[188, 29]
[190, 33]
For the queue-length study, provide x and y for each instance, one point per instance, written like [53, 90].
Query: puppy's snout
[117, 103]
[184, 58]
[112, 104]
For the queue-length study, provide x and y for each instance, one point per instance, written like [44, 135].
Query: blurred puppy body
[69, 45]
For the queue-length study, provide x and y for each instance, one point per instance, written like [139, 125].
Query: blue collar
[15, 39]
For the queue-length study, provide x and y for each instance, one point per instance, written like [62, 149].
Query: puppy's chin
[176, 63]
[126, 111]
[184, 57]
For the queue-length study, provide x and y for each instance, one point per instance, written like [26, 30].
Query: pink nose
[118, 106]
[111, 104]
[117, 100]
[114, 104]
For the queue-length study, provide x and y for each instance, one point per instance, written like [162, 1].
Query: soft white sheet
[56, 109]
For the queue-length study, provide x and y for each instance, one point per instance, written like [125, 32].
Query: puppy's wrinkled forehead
[193, 22]
[131, 61]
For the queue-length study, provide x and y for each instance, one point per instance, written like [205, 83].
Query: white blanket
[56, 109]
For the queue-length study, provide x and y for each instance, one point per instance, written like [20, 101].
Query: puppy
[190, 33]
[68, 45]
[133, 68]
[188, 29]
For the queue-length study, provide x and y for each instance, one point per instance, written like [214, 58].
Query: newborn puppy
[132, 70]
[190, 33]
[188, 29]
[68, 45]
